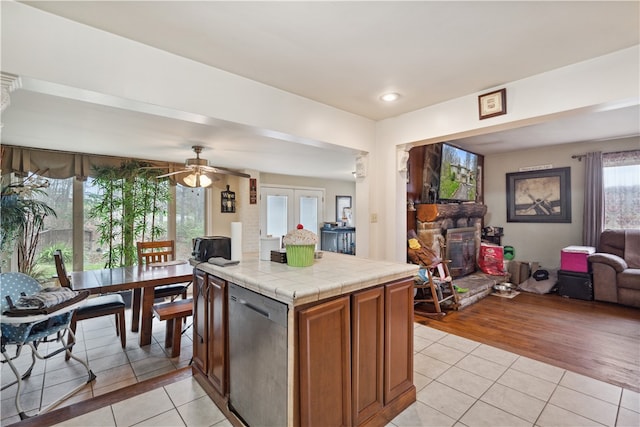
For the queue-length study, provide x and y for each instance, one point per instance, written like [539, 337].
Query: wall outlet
[374, 217]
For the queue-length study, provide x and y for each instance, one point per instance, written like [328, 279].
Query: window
[57, 232]
[283, 208]
[72, 229]
[189, 219]
[93, 251]
[621, 177]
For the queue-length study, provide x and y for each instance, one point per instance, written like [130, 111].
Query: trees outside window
[621, 175]
[190, 221]
[129, 205]
[56, 229]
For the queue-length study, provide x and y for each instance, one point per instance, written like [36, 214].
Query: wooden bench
[174, 312]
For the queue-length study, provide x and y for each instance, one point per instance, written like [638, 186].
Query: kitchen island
[349, 338]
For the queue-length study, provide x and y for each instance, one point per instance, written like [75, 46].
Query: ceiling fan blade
[230, 172]
[173, 173]
[204, 168]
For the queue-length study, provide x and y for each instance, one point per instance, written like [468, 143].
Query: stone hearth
[432, 223]
[479, 284]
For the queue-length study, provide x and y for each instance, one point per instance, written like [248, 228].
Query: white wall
[43, 46]
[542, 241]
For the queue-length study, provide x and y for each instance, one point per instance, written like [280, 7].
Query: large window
[189, 219]
[57, 232]
[622, 190]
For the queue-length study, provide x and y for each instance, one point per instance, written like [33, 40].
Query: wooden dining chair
[102, 305]
[154, 252]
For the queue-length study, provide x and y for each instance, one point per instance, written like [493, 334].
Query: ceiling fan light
[189, 180]
[196, 179]
[205, 181]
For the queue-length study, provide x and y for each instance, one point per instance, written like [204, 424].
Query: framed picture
[539, 196]
[342, 202]
[492, 104]
[227, 201]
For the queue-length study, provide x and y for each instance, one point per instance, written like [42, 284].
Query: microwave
[211, 246]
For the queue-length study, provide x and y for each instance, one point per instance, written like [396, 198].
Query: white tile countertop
[332, 275]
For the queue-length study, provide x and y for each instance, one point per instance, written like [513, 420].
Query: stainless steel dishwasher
[257, 358]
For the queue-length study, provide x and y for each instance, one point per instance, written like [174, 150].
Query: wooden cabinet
[356, 357]
[398, 339]
[325, 365]
[217, 332]
[200, 311]
[367, 345]
[210, 348]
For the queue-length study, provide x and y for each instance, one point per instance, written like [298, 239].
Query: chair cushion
[103, 303]
[630, 279]
[169, 290]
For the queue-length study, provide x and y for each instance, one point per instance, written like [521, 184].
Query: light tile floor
[459, 382]
[114, 366]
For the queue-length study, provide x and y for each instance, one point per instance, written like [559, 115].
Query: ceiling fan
[198, 173]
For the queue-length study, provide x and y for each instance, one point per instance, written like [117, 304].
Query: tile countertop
[333, 274]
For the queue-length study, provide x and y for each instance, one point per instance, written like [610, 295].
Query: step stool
[173, 312]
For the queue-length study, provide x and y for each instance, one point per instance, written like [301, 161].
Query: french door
[282, 209]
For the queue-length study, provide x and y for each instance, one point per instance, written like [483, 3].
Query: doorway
[282, 209]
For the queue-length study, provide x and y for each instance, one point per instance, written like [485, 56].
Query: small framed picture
[492, 104]
[342, 203]
[227, 201]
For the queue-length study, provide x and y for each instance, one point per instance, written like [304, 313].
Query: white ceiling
[344, 54]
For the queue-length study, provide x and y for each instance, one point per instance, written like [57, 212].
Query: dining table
[141, 279]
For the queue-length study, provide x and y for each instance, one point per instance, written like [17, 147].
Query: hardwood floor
[599, 340]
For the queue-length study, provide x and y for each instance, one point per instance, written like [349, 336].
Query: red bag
[491, 259]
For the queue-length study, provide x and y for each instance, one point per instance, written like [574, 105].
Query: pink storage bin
[574, 258]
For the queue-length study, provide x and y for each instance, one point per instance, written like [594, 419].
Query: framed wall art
[492, 104]
[342, 202]
[227, 201]
[539, 196]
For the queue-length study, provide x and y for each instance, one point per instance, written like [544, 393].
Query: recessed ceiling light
[390, 97]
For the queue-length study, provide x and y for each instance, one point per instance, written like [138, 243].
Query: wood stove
[461, 250]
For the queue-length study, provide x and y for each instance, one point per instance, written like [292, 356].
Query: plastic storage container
[574, 258]
[575, 285]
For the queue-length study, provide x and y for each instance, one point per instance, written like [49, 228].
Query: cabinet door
[217, 327]
[325, 364]
[398, 344]
[200, 320]
[367, 337]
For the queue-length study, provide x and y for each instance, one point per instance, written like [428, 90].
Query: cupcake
[300, 245]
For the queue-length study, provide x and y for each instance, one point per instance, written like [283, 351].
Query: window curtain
[63, 164]
[593, 213]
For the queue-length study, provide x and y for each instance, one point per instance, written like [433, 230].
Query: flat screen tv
[458, 175]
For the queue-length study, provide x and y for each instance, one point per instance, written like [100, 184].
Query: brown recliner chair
[616, 267]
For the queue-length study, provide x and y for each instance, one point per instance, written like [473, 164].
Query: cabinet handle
[251, 306]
